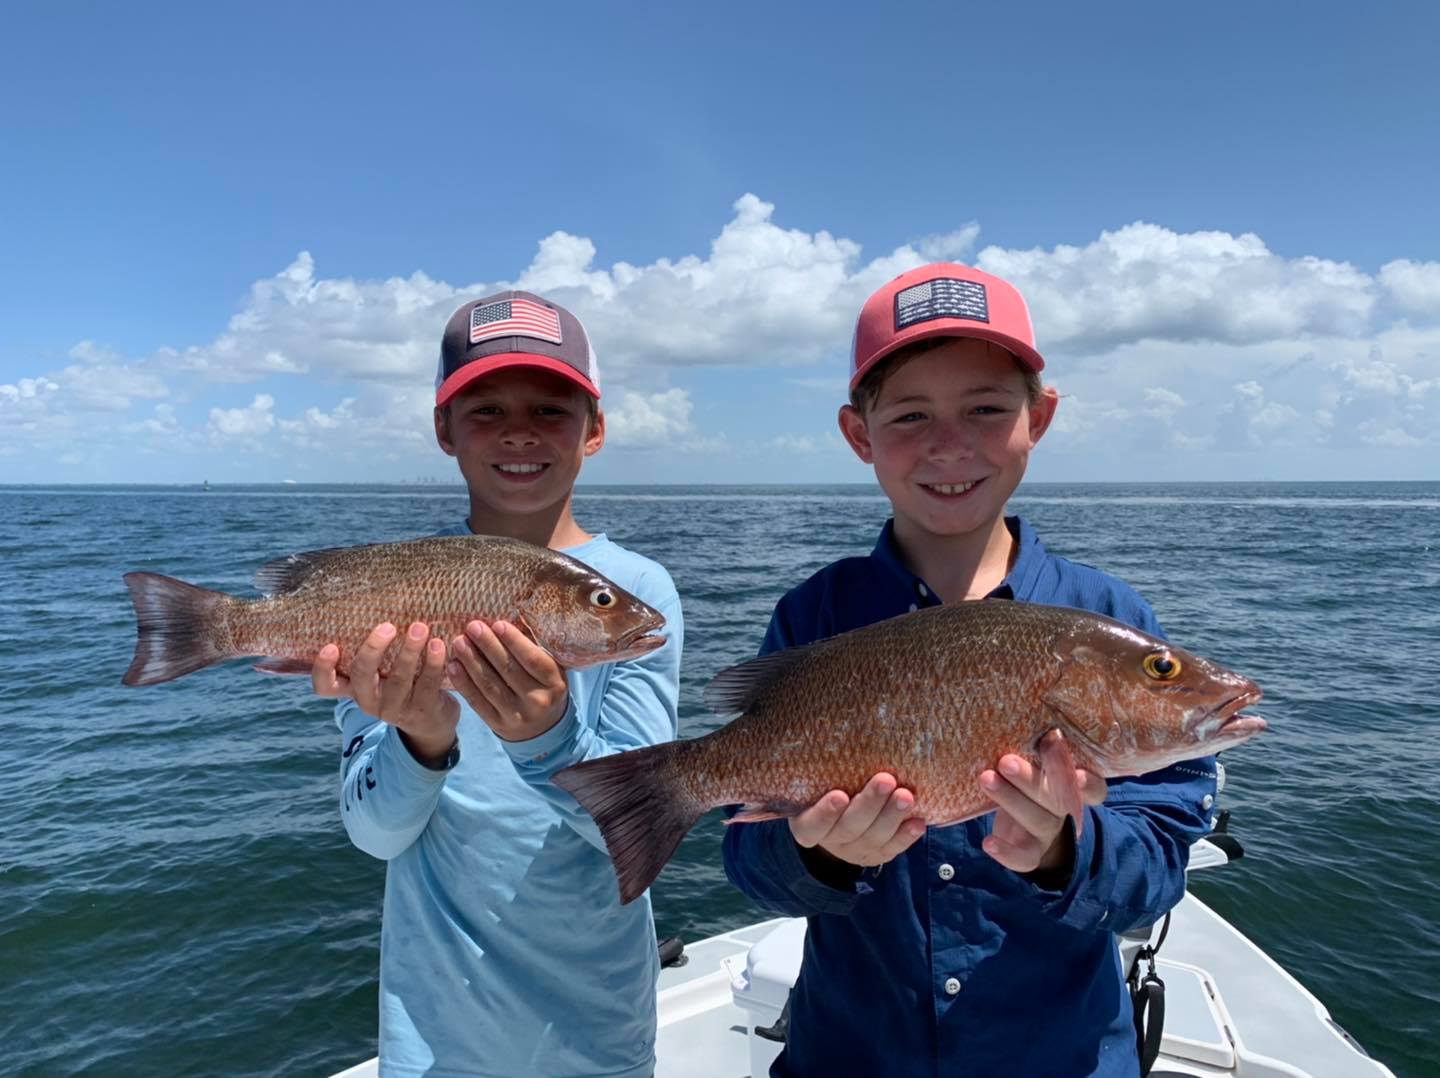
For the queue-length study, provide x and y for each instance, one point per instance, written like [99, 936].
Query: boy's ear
[1042, 413]
[595, 436]
[442, 431]
[852, 426]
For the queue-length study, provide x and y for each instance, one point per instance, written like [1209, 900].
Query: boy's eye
[908, 417]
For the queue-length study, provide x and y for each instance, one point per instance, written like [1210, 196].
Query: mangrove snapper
[338, 596]
[933, 697]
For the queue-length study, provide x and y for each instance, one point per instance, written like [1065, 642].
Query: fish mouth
[640, 640]
[1227, 722]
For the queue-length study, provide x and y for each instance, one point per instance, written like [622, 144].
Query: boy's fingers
[323, 677]
[1034, 817]
[1093, 787]
[365, 668]
[432, 673]
[399, 683]
[887, 825]
[532, 658]
[905, 836]
[507, 671]
[488, 683]
[812, 826]
[863, 810]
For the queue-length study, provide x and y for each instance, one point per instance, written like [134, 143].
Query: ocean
[180, 897]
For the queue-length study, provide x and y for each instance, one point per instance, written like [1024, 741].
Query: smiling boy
[504, 948]
[983, 948]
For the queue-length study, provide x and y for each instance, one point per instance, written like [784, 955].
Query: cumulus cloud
[1414, 287]
[643, 420]
[1144, 282]
[255, 419]
[1189, 340]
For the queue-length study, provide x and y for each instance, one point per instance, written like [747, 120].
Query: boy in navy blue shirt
[986, 947]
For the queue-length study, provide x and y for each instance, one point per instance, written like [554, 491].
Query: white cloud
[1414, 287]
[256, 419]
[1144, 282]
[643, 420]
[1188, 342]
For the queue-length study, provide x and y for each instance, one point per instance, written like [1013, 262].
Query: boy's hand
[512, 683]
[869, 829]
[1029, 833]
[410, 697]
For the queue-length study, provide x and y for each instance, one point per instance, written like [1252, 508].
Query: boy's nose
[519, 435]
[950, 441]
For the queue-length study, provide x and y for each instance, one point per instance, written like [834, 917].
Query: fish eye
[602, 597]
[1161, 665]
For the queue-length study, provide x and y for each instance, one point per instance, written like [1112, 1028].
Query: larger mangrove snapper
[933, 697]
[338, 596]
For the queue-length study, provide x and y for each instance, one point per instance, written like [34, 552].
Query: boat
[1230, 1011]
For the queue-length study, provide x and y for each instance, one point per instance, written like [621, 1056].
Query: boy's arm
[386, 795]
[638, 708]
[763, 859]
[1129, 865]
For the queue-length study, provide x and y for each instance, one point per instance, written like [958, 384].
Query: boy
[504, 948]
[985, 948]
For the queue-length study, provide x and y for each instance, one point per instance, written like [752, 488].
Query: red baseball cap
[942, 300]
[513, 329]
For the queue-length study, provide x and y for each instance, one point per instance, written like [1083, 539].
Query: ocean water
[180, 897]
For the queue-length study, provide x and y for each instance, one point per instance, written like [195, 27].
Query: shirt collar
[1019, 582]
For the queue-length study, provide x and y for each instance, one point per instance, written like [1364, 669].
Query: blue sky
[232, 236]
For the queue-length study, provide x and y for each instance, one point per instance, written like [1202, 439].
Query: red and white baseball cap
[513, 329]
[942, 300]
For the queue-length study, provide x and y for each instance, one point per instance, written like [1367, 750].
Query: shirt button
[913, 608]
[952, 986]
[1206, 801]
[947, 872]
[924, 593]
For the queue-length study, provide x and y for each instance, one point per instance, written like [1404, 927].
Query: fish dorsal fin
[288, 573]
[735, 688]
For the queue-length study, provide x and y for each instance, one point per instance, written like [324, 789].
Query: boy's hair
[867, 390]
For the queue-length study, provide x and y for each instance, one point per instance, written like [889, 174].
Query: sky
[230, 237]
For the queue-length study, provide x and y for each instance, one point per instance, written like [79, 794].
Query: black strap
[1147, 995]
[781, 1029]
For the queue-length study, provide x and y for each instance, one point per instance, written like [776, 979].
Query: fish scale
[338, 596]
[933, 697]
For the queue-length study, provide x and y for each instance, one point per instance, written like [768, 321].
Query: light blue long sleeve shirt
[504, 949]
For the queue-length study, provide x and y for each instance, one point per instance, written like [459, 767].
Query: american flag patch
[514, 318]
[944, 297]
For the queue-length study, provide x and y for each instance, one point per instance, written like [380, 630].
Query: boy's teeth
[952, 488]
[520, 469]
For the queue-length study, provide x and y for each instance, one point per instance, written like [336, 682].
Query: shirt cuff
[393, 749]
[1069, 905]
[540, 750]
[814, 894]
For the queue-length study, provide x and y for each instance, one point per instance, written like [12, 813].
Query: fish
[933, 697]
[339, 595]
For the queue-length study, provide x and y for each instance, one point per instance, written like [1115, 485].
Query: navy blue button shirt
[944, 962]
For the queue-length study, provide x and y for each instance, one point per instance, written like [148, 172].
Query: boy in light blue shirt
[504, 948]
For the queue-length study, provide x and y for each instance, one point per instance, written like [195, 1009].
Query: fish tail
[635, 799]
[176, 628]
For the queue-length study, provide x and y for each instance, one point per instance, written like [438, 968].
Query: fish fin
[1058, 764]
[175, 628]
[734, 689]
[757, 814]
[635, 800]
[288, 573]
[284, 666]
